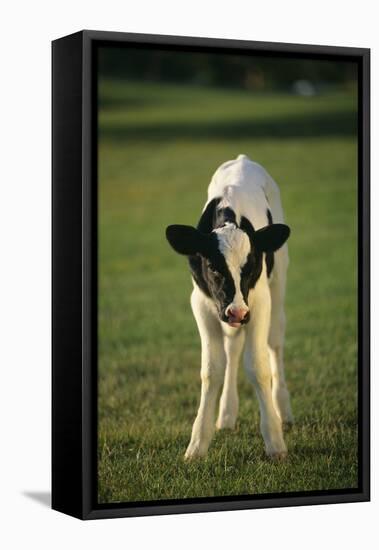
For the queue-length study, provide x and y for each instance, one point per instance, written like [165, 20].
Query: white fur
[249, 190]
[234, 244]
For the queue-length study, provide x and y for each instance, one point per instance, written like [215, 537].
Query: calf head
[227, 262]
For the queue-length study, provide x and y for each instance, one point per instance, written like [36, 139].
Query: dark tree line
[239, 71]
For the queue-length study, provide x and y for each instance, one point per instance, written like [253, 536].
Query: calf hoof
[277, 451]
[277, 456]
[194, 452]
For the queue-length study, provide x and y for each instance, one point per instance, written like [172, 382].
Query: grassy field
[158, 147]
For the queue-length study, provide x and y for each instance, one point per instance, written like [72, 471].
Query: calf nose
[236, 314]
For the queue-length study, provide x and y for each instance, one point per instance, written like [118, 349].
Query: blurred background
[167, 120]
[256, 73]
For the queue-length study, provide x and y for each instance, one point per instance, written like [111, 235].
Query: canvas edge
[86, 509]
[66, 472]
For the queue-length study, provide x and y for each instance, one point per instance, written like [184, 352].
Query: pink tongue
[234, 324]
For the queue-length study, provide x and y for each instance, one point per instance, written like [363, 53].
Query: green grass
[158, 147]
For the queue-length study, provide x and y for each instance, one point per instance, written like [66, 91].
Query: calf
[238, 300]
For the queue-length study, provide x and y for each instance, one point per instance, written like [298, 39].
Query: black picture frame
[74, 274]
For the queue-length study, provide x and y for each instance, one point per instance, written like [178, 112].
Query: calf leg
[213, 363]
[229, 398]
[258, 369]
[280, 392]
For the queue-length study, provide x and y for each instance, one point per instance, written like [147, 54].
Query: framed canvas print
[210, 275]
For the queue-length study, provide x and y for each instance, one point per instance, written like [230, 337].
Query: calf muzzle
[236, 316]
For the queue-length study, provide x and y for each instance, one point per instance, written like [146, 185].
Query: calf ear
[271, 237]
[187, 240]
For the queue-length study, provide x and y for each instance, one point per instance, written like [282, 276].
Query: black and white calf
[238, 300]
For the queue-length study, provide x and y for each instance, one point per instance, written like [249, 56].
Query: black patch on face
[196, 263]
[252, 269]
[269, 255]
[213, 277]
[211, 274]
[219, 281]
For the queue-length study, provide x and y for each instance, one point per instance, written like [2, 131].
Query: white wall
[27, 29]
